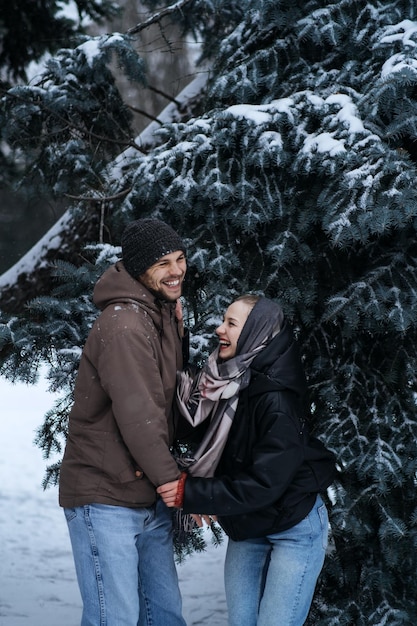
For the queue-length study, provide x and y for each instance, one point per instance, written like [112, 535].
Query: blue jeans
[271, 581]
[125, 565]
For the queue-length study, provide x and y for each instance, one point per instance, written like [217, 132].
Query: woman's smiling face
[229, 331]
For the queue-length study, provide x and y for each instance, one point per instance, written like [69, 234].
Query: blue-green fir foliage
[296, 180]
[28, 30]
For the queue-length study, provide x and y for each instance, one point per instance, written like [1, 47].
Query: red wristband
[179, 497]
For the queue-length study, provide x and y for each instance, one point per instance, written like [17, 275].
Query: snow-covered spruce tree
[28, 30]
[31, 30]
[52, 25]
[296, 179]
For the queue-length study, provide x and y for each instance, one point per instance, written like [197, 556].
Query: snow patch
[50, 241]
[323, 142]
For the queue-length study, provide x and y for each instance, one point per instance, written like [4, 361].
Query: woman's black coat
[271, 469]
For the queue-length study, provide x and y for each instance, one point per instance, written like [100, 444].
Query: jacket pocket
[105, 451]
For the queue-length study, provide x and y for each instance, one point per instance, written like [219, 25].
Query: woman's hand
[168, 492]
[199, 519]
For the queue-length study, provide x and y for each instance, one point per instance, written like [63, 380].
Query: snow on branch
[178, 6]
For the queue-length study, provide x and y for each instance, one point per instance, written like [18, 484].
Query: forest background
[286, 157]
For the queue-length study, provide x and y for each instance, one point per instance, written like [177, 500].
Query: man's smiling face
[165, 277]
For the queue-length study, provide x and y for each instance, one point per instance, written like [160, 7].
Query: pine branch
[99, 199]
[154, 19]
[145, 114]
[69, 125]
[165, 95]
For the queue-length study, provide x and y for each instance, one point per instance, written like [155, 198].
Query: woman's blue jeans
[271, 581]
[125, 565]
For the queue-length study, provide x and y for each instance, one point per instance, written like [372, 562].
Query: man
[120, 432]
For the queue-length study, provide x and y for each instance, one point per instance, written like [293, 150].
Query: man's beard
[162, 297]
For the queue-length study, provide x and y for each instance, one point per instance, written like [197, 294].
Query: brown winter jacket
[121, 421]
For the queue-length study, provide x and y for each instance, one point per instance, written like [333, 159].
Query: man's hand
[168, 492]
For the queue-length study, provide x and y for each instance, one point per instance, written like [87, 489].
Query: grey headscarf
[214, 392]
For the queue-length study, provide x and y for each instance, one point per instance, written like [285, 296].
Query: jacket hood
[278, 366]
[117, 285]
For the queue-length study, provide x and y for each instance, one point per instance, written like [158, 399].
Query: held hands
[168, 492]
[173, 494]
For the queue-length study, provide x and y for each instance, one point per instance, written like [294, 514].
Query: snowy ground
[37, 578]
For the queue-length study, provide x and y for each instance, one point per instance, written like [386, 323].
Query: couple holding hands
[252, 464]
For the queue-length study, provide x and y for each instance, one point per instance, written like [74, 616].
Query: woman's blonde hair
[248, 298]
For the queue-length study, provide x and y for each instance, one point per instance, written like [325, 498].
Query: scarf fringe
[183, 522]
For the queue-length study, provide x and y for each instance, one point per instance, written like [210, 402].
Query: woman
[257, 467]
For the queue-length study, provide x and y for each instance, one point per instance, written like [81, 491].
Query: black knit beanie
[145, 241]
